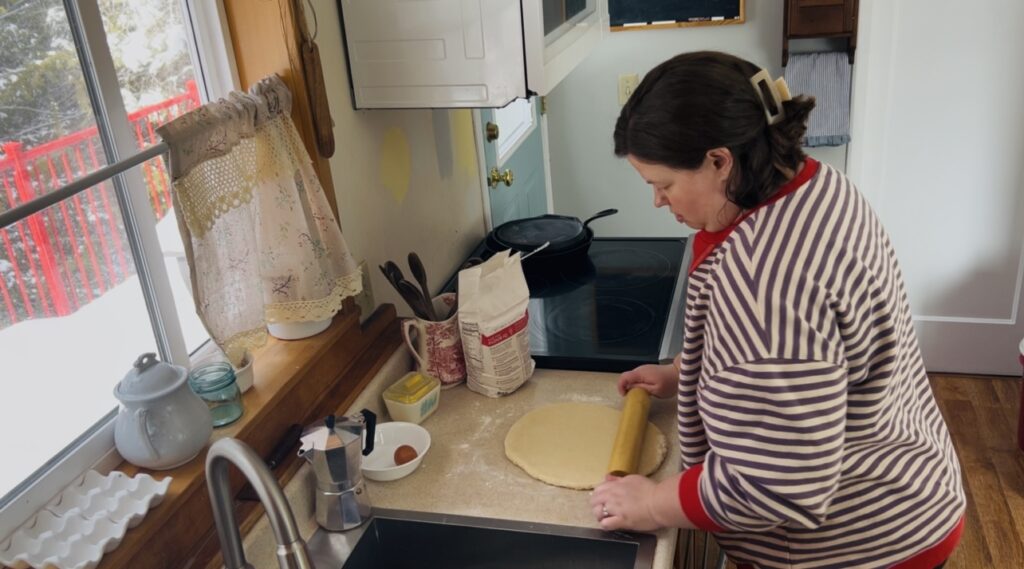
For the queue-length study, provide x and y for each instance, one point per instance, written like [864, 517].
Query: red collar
[704, 242]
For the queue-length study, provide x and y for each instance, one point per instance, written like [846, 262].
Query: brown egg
[404, 454]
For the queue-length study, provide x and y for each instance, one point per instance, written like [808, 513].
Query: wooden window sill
[295, 382]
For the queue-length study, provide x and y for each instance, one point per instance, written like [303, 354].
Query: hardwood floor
[981, 413]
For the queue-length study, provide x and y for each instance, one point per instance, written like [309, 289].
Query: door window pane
[515, 122]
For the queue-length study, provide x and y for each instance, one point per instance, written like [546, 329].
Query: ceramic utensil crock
[437, 346]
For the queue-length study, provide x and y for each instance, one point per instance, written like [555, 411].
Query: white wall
[940, 162]
[586, 176]
[405, 180]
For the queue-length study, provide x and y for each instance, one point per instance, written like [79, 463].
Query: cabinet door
[434, 53]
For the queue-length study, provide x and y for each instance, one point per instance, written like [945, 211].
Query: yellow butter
[411, 389]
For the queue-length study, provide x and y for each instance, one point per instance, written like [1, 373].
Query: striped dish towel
[826, 77]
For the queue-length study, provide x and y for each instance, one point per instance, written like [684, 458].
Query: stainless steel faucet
[291, 550]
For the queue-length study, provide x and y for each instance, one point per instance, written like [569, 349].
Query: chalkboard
[627, 14]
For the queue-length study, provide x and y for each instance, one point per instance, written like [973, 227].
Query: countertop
[465, 472]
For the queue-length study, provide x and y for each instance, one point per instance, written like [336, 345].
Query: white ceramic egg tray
[86, 520]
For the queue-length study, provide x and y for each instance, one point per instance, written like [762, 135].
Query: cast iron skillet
[567, 235]
[567, 254]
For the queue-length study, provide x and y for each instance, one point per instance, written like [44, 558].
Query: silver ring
[604, 511]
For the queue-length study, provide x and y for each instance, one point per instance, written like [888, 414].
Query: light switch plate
[364, 300]
[627, 84]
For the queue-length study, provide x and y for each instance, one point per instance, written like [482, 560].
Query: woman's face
[696, 197]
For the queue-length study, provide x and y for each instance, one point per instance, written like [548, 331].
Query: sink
[395, 539]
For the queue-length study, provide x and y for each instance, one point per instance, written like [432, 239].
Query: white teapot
[162, 423]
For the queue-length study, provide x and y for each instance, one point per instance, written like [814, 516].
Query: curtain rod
[12, 216]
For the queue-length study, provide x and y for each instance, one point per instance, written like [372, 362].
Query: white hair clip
[778, 90]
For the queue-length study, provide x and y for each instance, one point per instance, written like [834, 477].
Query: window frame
[209, 45]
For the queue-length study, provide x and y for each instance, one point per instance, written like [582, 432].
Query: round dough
[570, 444]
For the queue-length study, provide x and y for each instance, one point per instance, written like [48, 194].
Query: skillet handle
[600, 214]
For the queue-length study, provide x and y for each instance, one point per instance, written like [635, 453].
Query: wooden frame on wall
[666, 24]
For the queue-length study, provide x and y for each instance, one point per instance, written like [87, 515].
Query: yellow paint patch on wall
[464, 142]
[395, 166]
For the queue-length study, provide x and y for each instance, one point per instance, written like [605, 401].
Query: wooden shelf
[808, 19]
[294, 382]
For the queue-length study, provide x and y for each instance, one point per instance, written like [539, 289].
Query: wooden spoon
[406, 289]
[420, 273]
[414, 298]
[390, 275]
[394, 273]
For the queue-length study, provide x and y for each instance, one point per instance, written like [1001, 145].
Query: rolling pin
[629, 440]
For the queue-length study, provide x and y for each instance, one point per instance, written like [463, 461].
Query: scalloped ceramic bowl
[86, 520]
[380, 464]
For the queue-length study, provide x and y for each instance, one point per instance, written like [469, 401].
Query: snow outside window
[92, 282]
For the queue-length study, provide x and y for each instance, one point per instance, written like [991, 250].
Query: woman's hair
[702, 100]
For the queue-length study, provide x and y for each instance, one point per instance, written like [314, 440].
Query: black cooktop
[621, 309]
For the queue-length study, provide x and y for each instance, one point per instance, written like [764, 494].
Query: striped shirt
[806, 420]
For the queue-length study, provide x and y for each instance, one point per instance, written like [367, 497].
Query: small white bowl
[243, 375]
[298, 330]
[380, 464]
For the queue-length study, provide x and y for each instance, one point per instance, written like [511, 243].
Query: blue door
[514, 155]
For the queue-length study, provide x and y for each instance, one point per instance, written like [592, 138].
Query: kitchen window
[561, 15]
[94, 279]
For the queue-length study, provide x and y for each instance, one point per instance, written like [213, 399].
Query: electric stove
[621, 308]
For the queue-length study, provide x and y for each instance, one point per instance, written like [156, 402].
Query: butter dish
[413, 398]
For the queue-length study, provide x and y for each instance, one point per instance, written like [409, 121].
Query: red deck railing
[69, 254]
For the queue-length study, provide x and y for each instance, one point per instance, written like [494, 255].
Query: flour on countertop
[585, 398]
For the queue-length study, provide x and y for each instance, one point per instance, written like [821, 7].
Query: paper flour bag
[493, 297]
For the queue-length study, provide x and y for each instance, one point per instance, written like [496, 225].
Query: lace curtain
[262, 243]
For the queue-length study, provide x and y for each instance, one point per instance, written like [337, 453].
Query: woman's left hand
[625, 503]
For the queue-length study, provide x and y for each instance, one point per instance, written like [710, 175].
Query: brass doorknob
[492, 132]
[495, 177]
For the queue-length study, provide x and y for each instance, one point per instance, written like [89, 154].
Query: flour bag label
[493, 323]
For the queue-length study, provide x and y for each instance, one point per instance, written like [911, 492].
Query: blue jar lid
[211, 377]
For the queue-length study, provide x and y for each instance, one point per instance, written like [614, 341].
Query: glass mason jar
[215, 384]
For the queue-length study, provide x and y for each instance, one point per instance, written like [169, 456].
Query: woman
[808, 431]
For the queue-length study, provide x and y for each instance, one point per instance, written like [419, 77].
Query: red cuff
[936, 554]
[689, 497]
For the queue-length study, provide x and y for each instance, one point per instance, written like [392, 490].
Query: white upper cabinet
[464, 53]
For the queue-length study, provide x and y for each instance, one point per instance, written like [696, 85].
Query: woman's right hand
[658, 380]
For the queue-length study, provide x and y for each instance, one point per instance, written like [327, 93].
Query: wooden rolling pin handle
[629, 440]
